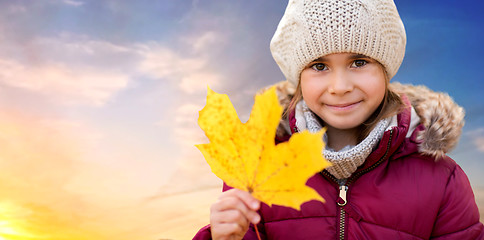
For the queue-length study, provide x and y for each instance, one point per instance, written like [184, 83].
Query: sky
[99, 102]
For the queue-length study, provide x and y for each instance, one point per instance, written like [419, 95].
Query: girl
[390, 177]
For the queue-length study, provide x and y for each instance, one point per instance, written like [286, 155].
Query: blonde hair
[391, 105]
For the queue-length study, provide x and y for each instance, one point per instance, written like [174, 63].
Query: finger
[232, 216]
[233, 202]
[252, 203]
[227, 231]
[248, 199]
[230, 203]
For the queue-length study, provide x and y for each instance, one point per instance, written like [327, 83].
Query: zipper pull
[342, 194]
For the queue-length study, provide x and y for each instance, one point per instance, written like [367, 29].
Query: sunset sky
[99, 101]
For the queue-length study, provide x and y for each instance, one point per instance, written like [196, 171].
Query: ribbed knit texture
[311, 29]
[347, 160]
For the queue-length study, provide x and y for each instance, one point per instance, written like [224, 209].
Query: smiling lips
[343, 107]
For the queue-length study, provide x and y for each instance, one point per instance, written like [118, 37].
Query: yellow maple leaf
[245, 155]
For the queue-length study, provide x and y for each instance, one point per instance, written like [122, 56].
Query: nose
[340, 83]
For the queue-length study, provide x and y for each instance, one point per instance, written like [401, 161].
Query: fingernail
[255, 205]
[256, 219]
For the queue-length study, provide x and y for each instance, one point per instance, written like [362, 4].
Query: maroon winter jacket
[398, 193]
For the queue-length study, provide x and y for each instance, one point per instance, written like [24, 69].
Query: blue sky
[108, 92]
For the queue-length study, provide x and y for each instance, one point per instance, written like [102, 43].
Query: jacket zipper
[342, 220]
[342, 217]
[343, 189]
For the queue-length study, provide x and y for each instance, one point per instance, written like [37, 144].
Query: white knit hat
[311, 29]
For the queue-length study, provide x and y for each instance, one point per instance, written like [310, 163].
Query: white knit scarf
[347, 160]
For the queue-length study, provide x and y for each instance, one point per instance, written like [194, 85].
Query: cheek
[375, 89]
[310, 85]
[378, 88]
[309, 91]
[374, 84]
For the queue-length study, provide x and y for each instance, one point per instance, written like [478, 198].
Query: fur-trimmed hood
[442, 118]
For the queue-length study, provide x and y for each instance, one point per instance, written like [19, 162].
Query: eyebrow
[353, 56]
[356, 56]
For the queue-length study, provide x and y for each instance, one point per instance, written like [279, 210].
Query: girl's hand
[232, 214]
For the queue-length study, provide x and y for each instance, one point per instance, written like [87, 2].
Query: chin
[344, 126]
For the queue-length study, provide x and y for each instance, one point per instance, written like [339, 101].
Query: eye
[319, 67]
[359, 63]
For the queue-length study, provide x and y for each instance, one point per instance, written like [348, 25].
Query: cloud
[190, 73]
[163, 62]
[195, 3]
[77, 69]
[192, 173]
[69, 69]
[479, 142]
[188, 68]
[73, 3]
[198, 81]
[16, 9]
[186, 128]
[66, 84]
[477, 137]
[203, 42]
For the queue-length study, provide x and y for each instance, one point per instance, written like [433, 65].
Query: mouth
[343, 106]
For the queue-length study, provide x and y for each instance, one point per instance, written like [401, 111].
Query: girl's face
[343, 89]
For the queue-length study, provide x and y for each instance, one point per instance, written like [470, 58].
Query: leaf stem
[257, 231]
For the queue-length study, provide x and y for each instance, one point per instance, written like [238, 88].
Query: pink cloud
[65, 83]
[477, 137]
